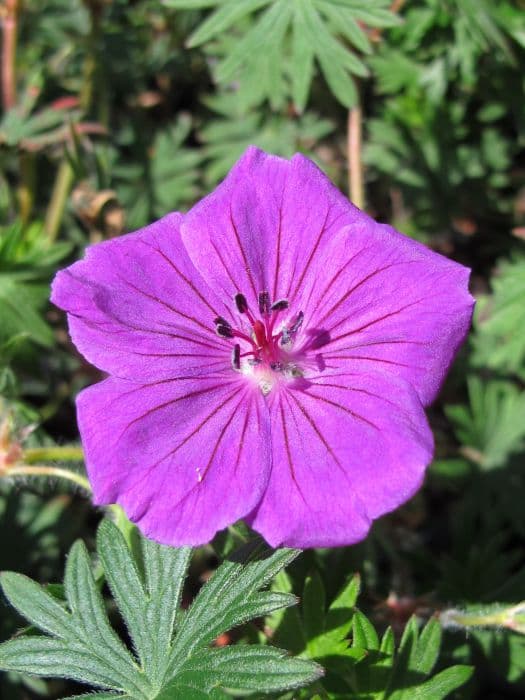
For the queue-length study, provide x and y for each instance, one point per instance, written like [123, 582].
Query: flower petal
[138, 309]
[346, 449]
[383, 302]
[265, 226]
[184, 458]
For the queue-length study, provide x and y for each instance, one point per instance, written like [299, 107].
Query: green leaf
[98, 696]
[271, 47]
[230, 598]
[286, 623]
[340, 613]
[327, 632]
[492, 427]
[169, 169]
[190, 4]
[20, 313]
[148, 608]
[313, 611]
[228, 137]
[176, 691]
[364, 634]
[88, 611]
[249, 667]
[443, 683]
[222, 19]
[302, 60]
[35, 604]
[166, 662]
[332, 57]
[383, 674]
[69, 658]
[497, 344]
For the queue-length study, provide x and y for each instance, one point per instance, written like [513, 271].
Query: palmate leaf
[163, 178]
[405, 674]
[278, 43]
[227, 137]
[171, 655]
[27, 262]
[497, 344]
[492, 427]
[20, 314]
[359, 664]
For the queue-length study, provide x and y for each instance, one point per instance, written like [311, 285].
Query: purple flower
[269, 357]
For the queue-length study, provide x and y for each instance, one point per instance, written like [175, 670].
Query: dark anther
[220, 321]
[236, 357]
[288, 333]
[280, 305]
[224, 331]
[297, 323]
[241, 303]
[277, 366]
[264, 302]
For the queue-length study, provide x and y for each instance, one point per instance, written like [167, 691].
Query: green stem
[50, 454]
[65, 175]
[57, 205]
[47, 471]
[26, 188]
[478, 619]
[512, 618]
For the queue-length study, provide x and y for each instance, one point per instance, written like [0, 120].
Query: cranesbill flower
[269, 357]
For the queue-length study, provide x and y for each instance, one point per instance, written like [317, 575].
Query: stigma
[263, 352]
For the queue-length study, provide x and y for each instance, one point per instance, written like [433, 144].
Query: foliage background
[116, 112]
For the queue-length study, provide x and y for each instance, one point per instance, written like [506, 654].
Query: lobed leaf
[170, 663]
[225, 601]
[278, 43]
[249, 667]
[443, 683]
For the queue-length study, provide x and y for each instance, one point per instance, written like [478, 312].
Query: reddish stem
[9, 31]
[355, 164]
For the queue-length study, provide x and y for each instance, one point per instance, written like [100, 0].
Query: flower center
[264, 352]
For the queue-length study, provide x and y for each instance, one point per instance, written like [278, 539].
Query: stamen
[267, 356]
[236, 357]
[241, 303]
[224, 331]
[286, 335]
[280, 305]
[297, 323]
[264, 302]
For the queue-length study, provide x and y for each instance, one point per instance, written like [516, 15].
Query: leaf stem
[512, 618]
[48, 471]
[48, 454]
[475, 620]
